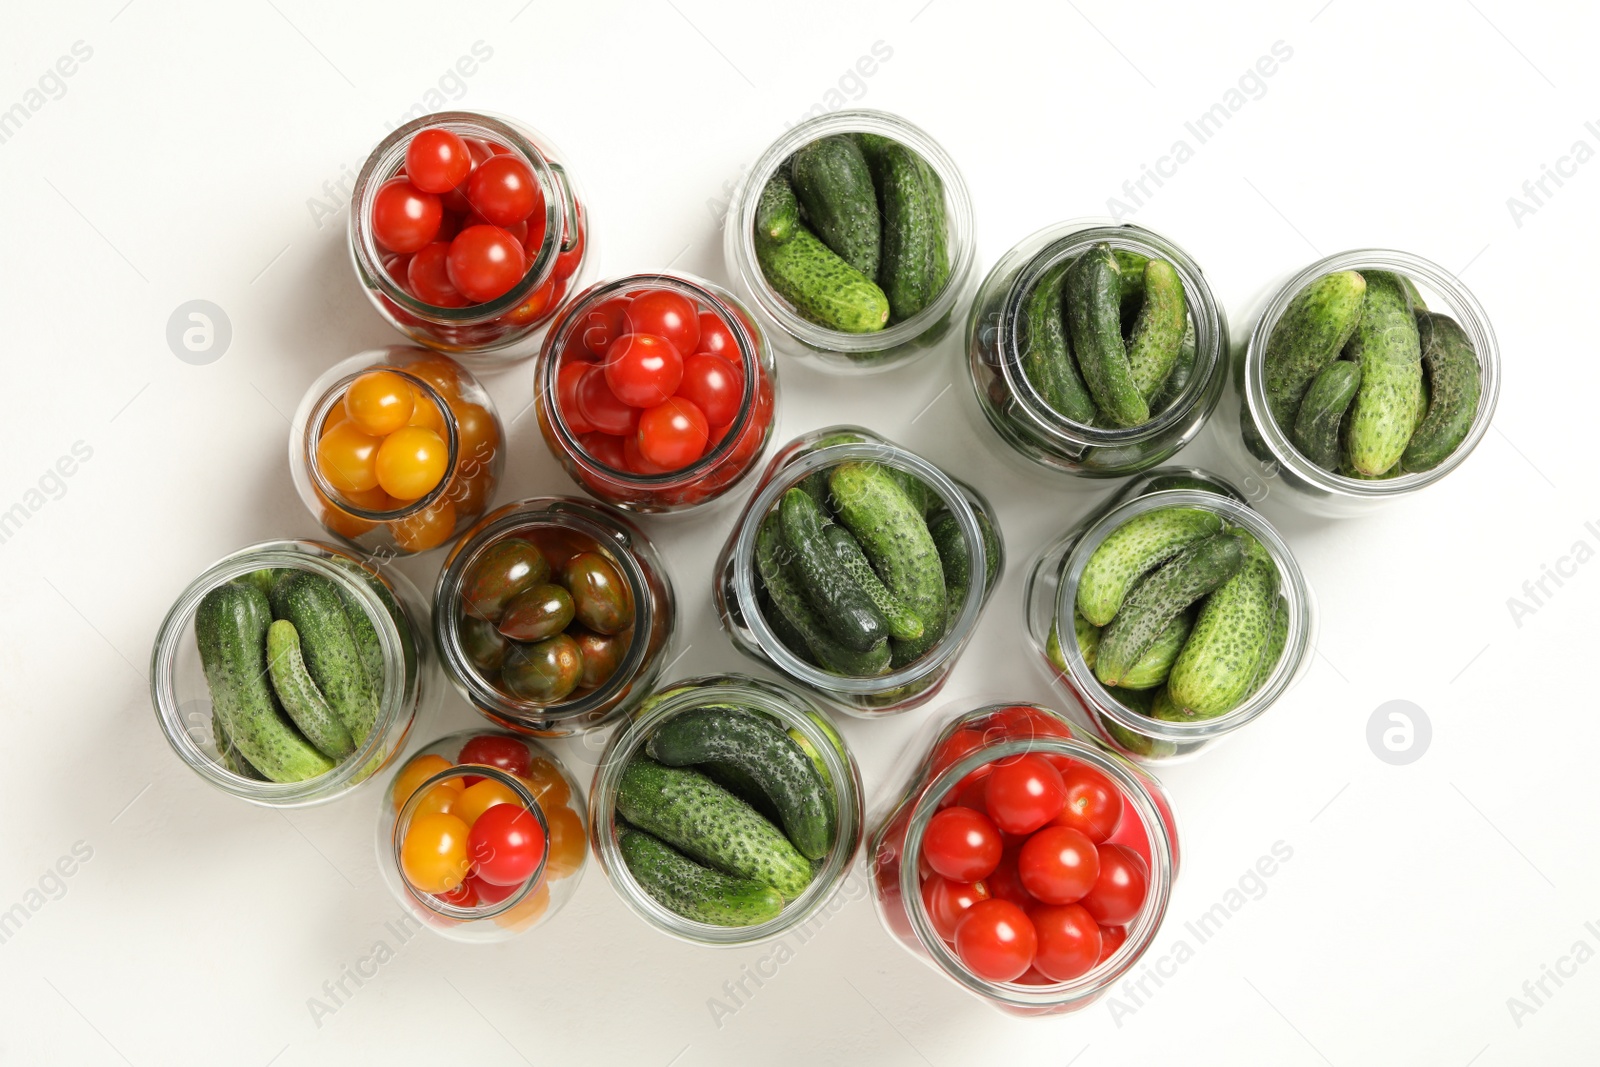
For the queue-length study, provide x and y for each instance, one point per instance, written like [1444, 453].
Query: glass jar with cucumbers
[858, 570]
[1172, 616]
[1369, 375]
[852, 238]
[726, 810]
[290, 672]
[1096, 348]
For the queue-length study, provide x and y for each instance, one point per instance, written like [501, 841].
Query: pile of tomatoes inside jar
[1033, 866]
[464, 221]
[472, 842]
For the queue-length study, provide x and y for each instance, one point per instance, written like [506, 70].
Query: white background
[179, 164]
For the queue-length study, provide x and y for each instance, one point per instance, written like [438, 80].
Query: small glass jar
[739, 596]
[436, 780]
[446, 399]
[560, 528]
[964, 746]
[997, 340]
[408, 694]
[834, 349]
[1261, 450]
[608, 465]
[1050, 594]
[558, 247]
[800, 719]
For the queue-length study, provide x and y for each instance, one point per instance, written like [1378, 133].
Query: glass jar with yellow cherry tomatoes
[467, 231]
[396, 450]
[481, 835]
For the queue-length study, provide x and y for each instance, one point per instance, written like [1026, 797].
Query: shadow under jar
[930, 507]
[1265, 451]
[552, 615]
[902, 337]
[1007, 346]
[402, 419]
[464, 873]
[1135, 722]
[218, 702]
[1088, 953]
[795, 722]
[553, 242]
[696, 376]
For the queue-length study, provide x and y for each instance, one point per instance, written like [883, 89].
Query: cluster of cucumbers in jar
[1366, 381]
[546, 616]
[1179, 615]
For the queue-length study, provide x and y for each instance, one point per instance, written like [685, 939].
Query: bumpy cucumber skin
[697, 893]
[695, 815]
[1390, 353]
[785, 630]
[792, 606]
[1047, 356]
[1275, 644]
[1454, 387]
[1160, 598]
[846, 610]
[329, 646]
[831, 181]
[1132, 549]
[951, 545]
[1152, 667]
[368, 644]
[939, 252]
[763, 751]
[1322, 411]
[1178, 377]
[229, 753]
[1094, 323]
[1131, 265]
[918, 491]
[1222, 657]
[230, 627]
[822, 287]
[903, 624]
[299, 695]
[1158, 331]
[777, 212]
[1308, 336]
[262, 579]
[913, 226]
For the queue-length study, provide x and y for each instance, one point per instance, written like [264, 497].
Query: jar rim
[1473, 319]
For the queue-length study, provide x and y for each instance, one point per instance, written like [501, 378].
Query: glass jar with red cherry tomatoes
[656, 391]
[1026, 864]
[481, 835]
[396, 450]
[552, 615]
[467, 231]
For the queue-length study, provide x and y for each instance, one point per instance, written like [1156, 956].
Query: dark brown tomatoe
[505, 569]
[536, 613]
[543, 672]
[483, 644]
[602, 653]
[602, 600]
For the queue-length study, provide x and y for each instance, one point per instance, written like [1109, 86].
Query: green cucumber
[1094, 324]
[1165, 710]
[1389, 350]
[1275, 645]
[228, 753]
[1308, 336]
[1316, 425]
[1134, 548]
[951, 545]
[895, 538]
[831, 181]
[262, 579]
[695, 815]
[332, 655]
[230, 628]
[903, 624]
[785, 630]
[919, 492]
[1222, 657]
[1131, 265]
[1159, 330]
[939, 254]
[1152, 668]
[1178, 377]
[792, 606]
[763, 752]
[368, 644]
[844, 607]
[698, 893]
[1454, 387]
[1088, 638]
[809, 275]
[1412, 295]
[912, 208]
[1046, 354]
[299, 695]
[777, 212]
[1160, 598]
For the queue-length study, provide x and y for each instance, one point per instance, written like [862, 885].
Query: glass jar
[559, 529]
[506, 770]
[834, 349]
[997, 342]
[963, 748]
[740, 597]
[796, 716]
[609, 465]
[1050, 595]
[558, 248]
[384, 598]
[1261, 450]
[447, 400]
